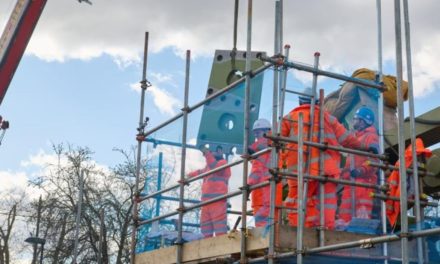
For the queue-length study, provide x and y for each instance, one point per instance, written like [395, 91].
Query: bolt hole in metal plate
[226, 122]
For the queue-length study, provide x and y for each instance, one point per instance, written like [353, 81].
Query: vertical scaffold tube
[245, 191]
[283, 84]
[159, 183]
[144, 86]
[310, 126]
[381, 124]
[301, 186]
[274, 154]
[401, 136]
[321, 171]
[182, 161]
[415, 174]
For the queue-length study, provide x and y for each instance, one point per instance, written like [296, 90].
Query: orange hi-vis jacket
[369, 139]
[215, 184]
[393, 207]
[363, 200]
[260, 198]
[260, 170]
[335, 134]
[261, 163]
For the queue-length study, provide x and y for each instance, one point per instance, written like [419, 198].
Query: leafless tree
[11, 204]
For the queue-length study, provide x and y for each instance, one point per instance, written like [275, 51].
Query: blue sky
[75, 82]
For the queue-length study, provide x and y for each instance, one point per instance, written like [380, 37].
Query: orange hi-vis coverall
[213, 216]
[363, 200]
[260, 198]
[334, 134]
[393, 207]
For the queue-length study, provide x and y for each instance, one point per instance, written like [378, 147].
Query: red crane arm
[15, 38]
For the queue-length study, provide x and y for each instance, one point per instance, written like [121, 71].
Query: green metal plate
[222, 120]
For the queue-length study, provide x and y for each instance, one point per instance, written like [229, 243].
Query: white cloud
[426, 77]
[12, 180]
[41, 159]
[163, 100]
[344, 31]
[160, 78]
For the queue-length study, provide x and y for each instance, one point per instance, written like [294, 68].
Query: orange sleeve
[343, 136]
[225, 172]
[372, 140]
[195, 173]
[285, 126]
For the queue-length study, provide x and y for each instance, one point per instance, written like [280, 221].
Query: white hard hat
[261, 124]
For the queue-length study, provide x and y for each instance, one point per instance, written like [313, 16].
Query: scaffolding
[280, 64]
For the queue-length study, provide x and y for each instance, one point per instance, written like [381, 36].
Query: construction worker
[335, 134]
[213, 216]
[357, 169]
[260, 198]
[393, 207]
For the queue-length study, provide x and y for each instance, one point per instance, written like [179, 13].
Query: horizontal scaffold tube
[301, 67]
[369, 242]
[239, 212]
[289, 175]
[213, 200]
[205, 174]
[396, 198]
[326, 146]
[421, 171]
[207, 99]
[169, 143]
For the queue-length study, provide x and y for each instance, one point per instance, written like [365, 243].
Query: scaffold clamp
[366, 243]
[137, 197]
[183, 181]
[404, 234]
[178, 242]
[186, 109]
[135, 221]
[246, 156]
[300, 251]
[145, 84]
[246, 232]
[181, 209]
[246, 187]
[320, 227]
[140, 137]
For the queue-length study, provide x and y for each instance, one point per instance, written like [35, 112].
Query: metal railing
[282, 62]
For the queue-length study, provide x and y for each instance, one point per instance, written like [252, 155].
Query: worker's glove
[355, 173]
[373, 150]
[251, 151]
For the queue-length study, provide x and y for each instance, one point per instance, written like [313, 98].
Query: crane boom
[15, 38]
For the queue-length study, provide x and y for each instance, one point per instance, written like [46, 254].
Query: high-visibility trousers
[311, 213]
[312, 205]
[362, 201]
[261, 209]
[213, 219]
